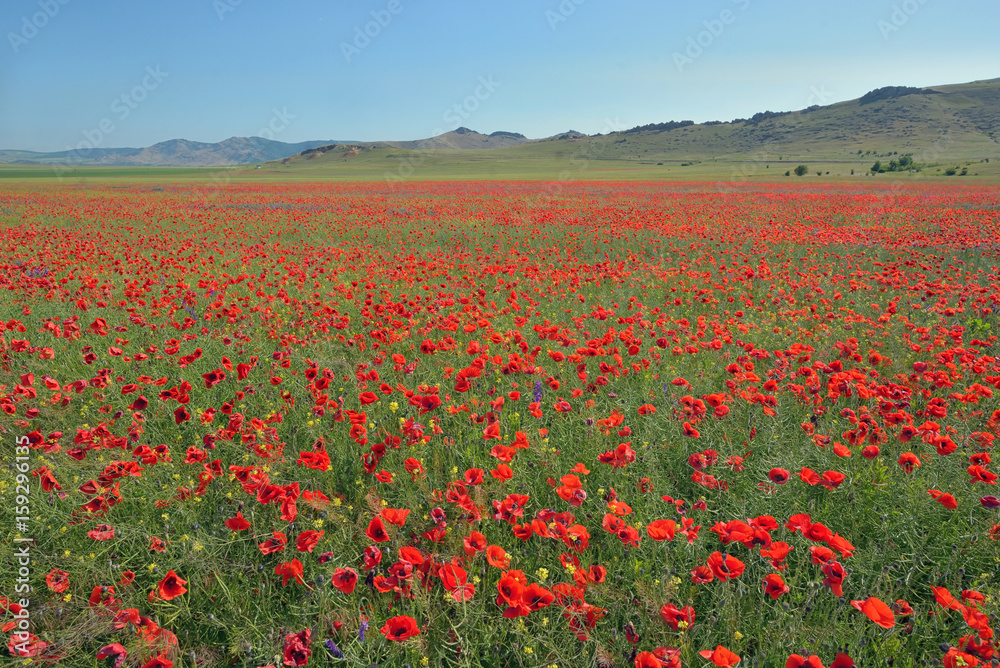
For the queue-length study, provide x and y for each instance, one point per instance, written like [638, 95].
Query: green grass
[399, 166]
[81, 174]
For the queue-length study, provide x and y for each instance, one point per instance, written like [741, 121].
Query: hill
[464, 139]
[175, 153]
[938, 125]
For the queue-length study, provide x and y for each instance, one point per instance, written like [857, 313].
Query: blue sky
[132, 73]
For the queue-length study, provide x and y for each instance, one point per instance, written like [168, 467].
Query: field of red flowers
[500, 424]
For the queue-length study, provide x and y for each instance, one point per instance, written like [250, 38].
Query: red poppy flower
[307, 540]
[497, 557]
[237, 523]
[103, 596]
[778, 476]
[57, 580]
[318, 460]
[473, 543]
[843, 661]
[673, 615]
[48, 480]
[721, 657]
[276, 543]
[870, 452]
[114, 650]
[296, 651]
[841, 450]
[819, 554]
[26, 645]
[799, 661]
[980, 474]
[832, 479]
[536, 597]
[840, 544]
[777, 552]
[395, 516]
[690, 431]
[817, 532]
[946, 500]
[909, 461]
[660, 530]
[647, 660]
[945, 599]
[376, 530]
[289, 569]
[344, 579]
[181, 415]
[171, 586]
[835, 575]
[807, 476]
[902, 608]
[400, 628]
[725, 567]
[956, 658]
[877, 611]
[774, 586]
[411, 555]
[102, 532]
[571, 490]
[372, 557]
[510, 587]
[502, 472]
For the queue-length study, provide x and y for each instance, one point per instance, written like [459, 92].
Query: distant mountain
[173, 153]
[937, 125]
[464, 139]
[933, 124]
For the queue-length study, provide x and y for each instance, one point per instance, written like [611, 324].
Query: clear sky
[135, 72]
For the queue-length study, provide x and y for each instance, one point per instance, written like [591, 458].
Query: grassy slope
[950, 128]
[83, 174]
[956, 127]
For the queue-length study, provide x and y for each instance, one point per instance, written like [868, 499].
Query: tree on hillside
[801, 170]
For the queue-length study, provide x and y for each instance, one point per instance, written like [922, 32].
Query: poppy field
[500, 424]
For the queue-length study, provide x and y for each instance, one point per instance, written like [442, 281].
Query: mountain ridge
[172, 153]
[964, 117]
[933, 123]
